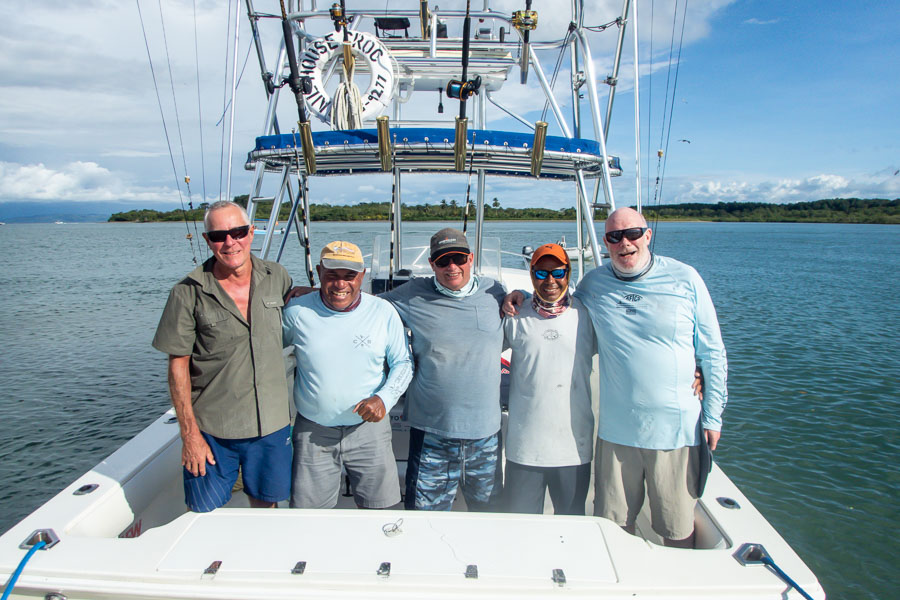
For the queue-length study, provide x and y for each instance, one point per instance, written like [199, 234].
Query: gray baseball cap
[449, 240]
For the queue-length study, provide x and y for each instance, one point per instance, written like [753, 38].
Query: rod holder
[459, 144]
[384, 142]
[348, 56]
[537, 148]
[309, 152]
[424, 18]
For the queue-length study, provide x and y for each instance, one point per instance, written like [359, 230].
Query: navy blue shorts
[264, 463]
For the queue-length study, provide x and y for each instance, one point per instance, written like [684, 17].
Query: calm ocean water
[809, 314]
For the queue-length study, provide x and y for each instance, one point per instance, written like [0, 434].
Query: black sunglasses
[542, 274]
[632, 233]
[236, 233]
[457, 259]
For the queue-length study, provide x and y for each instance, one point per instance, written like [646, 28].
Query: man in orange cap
[551, 425]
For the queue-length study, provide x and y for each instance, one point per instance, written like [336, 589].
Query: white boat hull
[139, 494]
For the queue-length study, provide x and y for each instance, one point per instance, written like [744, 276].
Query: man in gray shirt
[453, 402]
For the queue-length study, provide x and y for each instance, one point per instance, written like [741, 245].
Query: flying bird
[688, 141]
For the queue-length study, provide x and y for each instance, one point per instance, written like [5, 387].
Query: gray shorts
[671, 486]
[363, 451]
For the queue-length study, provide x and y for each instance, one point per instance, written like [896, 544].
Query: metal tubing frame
[592, 233]
[598, 119]
[518, 118]
[273, 216]
[395, 215]
[615, 74]
[576, 129]
[637, 109]
[557, 113]
[237, 37]
[480, 119]
[295, 202]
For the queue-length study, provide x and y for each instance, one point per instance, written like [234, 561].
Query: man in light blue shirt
[353, 364]
[657, 324]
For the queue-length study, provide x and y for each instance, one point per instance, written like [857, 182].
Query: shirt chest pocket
[214, 327]
[487, 318]
[272, 311]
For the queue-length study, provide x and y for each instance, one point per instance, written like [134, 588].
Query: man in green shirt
[221, 328]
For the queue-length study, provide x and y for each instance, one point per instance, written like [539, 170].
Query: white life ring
[364, 46]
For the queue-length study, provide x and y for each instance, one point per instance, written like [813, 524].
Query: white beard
[633, 270]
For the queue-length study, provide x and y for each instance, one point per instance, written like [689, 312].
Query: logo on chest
[551, 335]
[362, 341]
[628, 303]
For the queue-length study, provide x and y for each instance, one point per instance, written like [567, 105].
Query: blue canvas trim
[434, 135]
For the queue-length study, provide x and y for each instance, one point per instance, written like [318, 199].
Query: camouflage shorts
[438, 466]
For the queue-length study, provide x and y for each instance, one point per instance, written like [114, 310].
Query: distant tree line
[842, 210]
[838, 210]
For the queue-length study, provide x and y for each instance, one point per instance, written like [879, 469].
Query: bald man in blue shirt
[656, 323]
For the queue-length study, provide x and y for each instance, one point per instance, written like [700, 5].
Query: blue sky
[781, 102]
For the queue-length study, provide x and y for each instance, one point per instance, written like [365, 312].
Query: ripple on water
[810, 432]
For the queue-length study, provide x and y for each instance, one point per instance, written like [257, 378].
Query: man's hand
[712, 438]
[371, 409]
[297, 291]
[512, 302]
[697, 386]
[195, 453]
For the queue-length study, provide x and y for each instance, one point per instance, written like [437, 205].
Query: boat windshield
[412, 259]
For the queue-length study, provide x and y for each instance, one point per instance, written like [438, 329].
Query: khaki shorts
[364, 451]
[671, 486]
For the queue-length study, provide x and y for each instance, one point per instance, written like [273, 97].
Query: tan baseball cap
[342, 255]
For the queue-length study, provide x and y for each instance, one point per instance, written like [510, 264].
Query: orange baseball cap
[554, 250]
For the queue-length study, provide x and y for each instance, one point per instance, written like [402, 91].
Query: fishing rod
[346, 109]
[302, 201]
[299, 86]
[523, 21]
[469, 184]
[462, 89]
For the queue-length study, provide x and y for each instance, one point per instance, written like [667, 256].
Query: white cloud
[77, 182]
[782, 191]
[755, 21]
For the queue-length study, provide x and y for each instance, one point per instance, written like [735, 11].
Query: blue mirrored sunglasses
[555, 273]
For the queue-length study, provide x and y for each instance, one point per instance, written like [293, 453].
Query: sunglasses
[542, 274]
[236, 233]
[445, 260]
[632, 233]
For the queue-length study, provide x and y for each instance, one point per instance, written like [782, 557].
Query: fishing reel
[462, 90]
[339, 16]
[300, 84]
[525, 20]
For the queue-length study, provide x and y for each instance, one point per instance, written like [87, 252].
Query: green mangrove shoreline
[843, 210]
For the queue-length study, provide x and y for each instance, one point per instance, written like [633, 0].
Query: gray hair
[219, 206]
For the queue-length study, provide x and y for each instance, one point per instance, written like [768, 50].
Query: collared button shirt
[238, 383]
